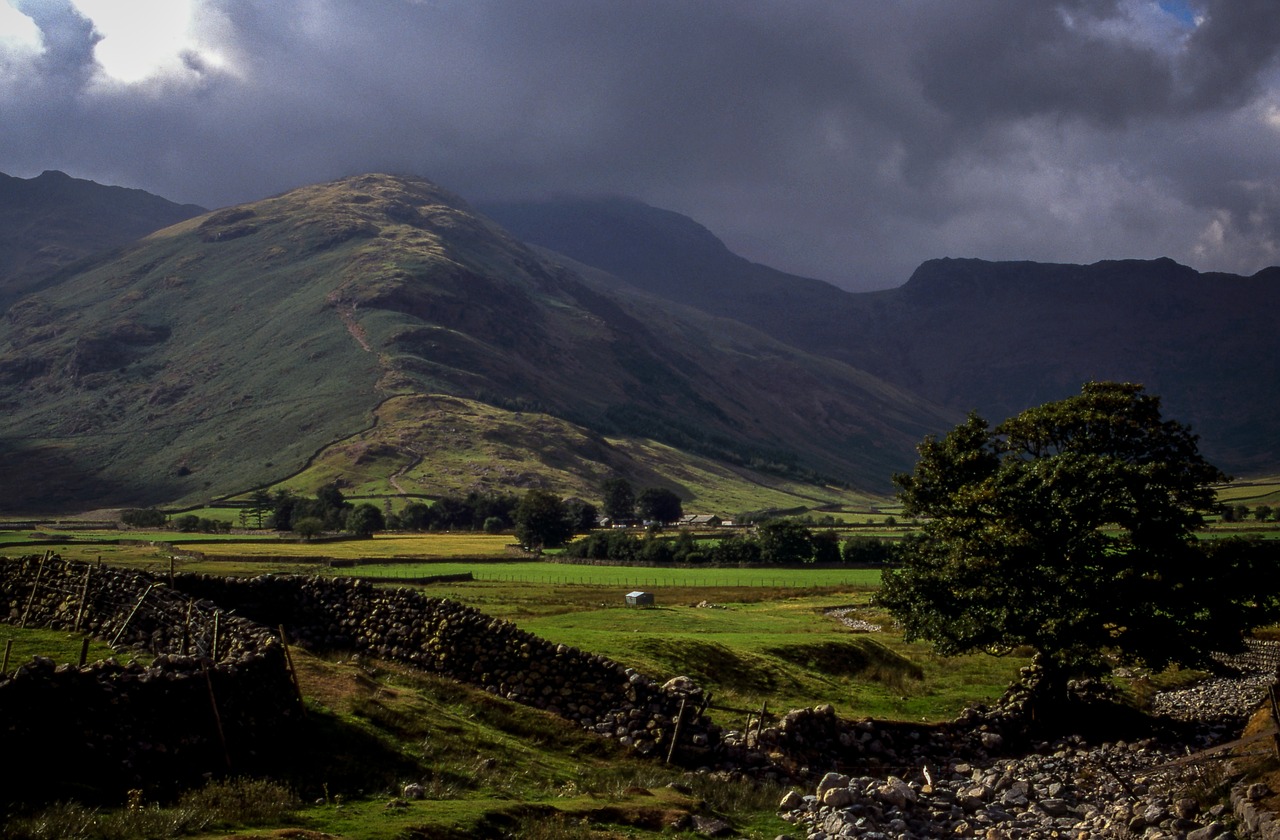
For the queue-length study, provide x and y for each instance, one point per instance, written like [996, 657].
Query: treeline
[778, 542]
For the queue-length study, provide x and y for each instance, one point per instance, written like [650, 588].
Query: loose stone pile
[1069, 789]
[1066, 788]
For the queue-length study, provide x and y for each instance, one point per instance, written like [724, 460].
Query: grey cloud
[847, 141]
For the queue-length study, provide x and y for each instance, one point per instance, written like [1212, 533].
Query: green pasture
[22, 643]
[1261, 490]
[635, 577]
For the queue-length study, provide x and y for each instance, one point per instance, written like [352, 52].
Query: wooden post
[34, 587]
[213, 647]
[8, 648]
[217, 718]
[170, 571]
[675, 733]
[186, 628]
[760, 722]
[84, 650]
[293, 674]
[84, 597]
[134, 612]
[1275, 716]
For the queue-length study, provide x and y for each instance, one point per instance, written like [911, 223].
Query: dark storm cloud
[847, 141]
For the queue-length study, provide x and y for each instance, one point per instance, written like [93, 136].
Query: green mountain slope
[428, 445]
[223, 352]
[52, 220]
[971, 334]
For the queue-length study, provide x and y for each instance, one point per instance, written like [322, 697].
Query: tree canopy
[1070, 528]
[658, 504]
[619, 499]
[542, 521]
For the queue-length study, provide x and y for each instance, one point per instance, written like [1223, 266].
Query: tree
[784, 542]
[259, 506]
[282, 506]
[582, 514]
[143, 518]
[619, 499]
[826, 547]
[658, 504]
[541, 521]
[867, 551]
[1262, 513]
[416, 516]
[364, 519]
[1069, 528]
[308, 527]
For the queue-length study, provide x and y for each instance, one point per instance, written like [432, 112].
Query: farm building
[639, 599]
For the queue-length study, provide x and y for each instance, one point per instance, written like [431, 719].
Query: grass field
[623, 577]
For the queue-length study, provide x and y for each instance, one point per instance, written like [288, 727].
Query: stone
[792, 801]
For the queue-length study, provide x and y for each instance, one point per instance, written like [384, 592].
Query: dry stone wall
[460, 642]
[216, 695]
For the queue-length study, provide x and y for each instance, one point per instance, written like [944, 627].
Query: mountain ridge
[53, 220]
[969, 334]
[223, 351]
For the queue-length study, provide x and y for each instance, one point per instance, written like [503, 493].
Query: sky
[848, 140]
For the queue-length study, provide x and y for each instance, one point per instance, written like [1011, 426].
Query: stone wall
[218, 694]
[460, 642]
[215, 696]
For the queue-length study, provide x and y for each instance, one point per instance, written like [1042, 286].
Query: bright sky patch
[17, 30]
[140, 38]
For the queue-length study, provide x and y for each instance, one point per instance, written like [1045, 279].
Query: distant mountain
[970, 334]
[52, 220]
[226, 351]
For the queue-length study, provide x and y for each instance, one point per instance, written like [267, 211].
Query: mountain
[53, 220]
[995, 337]
[233, 349]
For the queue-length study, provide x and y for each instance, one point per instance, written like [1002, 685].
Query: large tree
[1069, 528]
[542, 521]
[619, 499]
[658, 504]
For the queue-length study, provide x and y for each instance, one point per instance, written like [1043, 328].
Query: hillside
[970, 334]
[224, 352]
[53, 220]
[425, 445]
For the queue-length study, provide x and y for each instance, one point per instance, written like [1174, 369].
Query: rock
[711, 826]
[792, 801]
[838, 797]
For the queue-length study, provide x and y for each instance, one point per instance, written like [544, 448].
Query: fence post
[8, 647]
[293, 674]
[34, 586]
[1275, 715]
[84, 650]
[136, 607]
[217, 718]
[84, 597]
[186, 628]
[675, 733]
